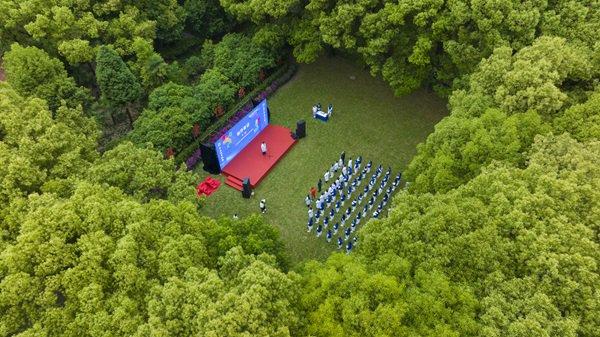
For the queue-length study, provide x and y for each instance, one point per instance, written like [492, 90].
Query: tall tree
[526, 239]
[32, 72]
[117, 83]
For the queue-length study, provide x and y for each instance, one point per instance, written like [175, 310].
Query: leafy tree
[206, 18]
[238, 58]
[169, 127]
[252, 234]
[40, 152]
[168, 15]
[32, 72]
[144, 174]
[344, 297]
[215, 89]
[178, 106]
[415, 43]
[509, 100]
[511, 232]
[74, 29]
[151, 68]
[117, 84]
[582, 121]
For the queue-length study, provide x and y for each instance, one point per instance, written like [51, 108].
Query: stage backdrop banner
[242, 133]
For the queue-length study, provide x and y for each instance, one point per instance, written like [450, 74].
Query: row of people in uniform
[331, 197]
[355, 202]
[347, 215]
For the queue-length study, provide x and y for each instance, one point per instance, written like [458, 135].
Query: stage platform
[251, 163]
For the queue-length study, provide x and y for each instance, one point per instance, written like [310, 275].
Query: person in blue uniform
[360, 197]
[380, 207]
[331, 214]
[348, 211]
[376, 214]
[353, 227]
[309, 225]
[338, 204]
[347, 233]
[318, 215]
[319, 230]
[310, 213]
[343, 198]
[328, 200]
[343, 219]
[336, 227]
[364, 213]
[386, 197]
[369, 164]
[354, 203]
[340, 242]
[349, 247]
[371, 202]
[325, 221]
[329, 235]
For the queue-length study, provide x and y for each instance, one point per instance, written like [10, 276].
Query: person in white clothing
[326, 176]
[263, 148]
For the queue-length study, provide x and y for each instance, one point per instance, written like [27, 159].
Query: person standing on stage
[263, 148]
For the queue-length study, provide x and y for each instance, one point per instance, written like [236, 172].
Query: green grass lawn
[367, 120]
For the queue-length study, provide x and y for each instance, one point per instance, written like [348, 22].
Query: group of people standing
[346, 179]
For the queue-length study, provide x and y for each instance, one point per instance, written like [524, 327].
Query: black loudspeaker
[301, 129]
[246, 190]
[209, 158]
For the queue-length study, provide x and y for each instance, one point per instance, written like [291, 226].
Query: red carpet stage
[250, 163]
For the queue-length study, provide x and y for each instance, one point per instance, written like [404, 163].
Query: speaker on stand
[246, 189]
[301, 129]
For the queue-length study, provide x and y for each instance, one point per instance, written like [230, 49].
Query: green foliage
[238, 58]
[582, 121]
[169, 127]
[88, 263]
[525, 239]
[509, 100]
[215, 89]
[40, 152]
[416, 43]
[172, 111]
[75, 29]
[151, 68]
[249, 296]
[168, 15]
[144, 174]
[345, 297]
[206, 18]
[251, 233]
[117, 84]
[32, 72]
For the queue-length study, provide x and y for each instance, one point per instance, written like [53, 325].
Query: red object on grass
[252, 164]
[208, 186]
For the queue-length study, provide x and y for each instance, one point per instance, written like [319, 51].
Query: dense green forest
[101, 232]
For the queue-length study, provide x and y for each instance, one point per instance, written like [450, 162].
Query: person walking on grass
[263, 206]
[319, 185]
[263, 148]
[313, 192]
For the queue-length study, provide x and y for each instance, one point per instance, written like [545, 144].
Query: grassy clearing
[367, 120]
